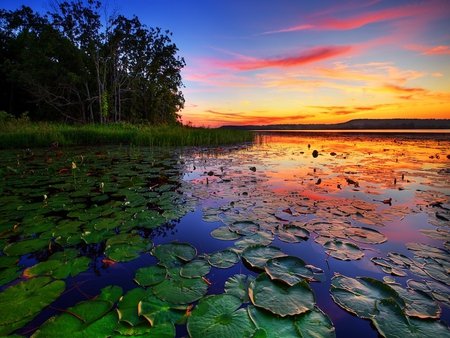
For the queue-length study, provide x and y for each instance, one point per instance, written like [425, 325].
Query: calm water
[320, 181]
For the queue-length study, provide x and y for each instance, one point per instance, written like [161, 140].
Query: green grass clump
[17, 133]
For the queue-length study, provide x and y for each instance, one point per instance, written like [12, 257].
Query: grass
[25, 134]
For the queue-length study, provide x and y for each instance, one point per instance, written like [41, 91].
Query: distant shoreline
[356, 125]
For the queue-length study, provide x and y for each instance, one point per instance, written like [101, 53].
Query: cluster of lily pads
[118, 200]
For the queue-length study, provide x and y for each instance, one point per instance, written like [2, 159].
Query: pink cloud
[310, 56]
[428, 50]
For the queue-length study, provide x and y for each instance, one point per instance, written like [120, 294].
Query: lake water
[367, 205]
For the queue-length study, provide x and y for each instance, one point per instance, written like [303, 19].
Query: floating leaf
[86, 319]
[111, 293]
[25, 247]
[127, 308]
[280, 298]
[343, 250]
[180, 290]
[58, 269]
[259, 237]
[173, 254]
[273, 326]
[195, 269]
[225, 234]
[292, 270]
[238, 285]
[150, 275]
[126, 247]
[244, 228]
[220, 316]
[257, 256]
[23, 301]
[291, 234]
[315, 323]
[223, 259]
[365, 235]
[418, 303]
[157, 311]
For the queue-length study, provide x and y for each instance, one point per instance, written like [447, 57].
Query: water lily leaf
[315, 323]
[58, 269]
[418, 303]
[365, 235]
[439, 291]
[150, 275]
[238, 285]
[391, 321]
[127, 308]
[244, 228]
[292, 270]
[86, 319]
[388, 266]
[126, 247]
[195, 269]
[259, 237]
[280, 298]
[23, 301]
[360, 296]
[173, 254]
[291, 234]
[179, 290]
[428, 251]
[343, 250]
[220, 316]
[223, 259]
[157, 311]
[257, 256]
[111, 293]
[9, 274]
[25, 247]
[225, 234]
[273, 326]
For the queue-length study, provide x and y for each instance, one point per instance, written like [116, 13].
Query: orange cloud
[310, 56]
[426, 50]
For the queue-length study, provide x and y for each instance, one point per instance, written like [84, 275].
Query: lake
[296, 218]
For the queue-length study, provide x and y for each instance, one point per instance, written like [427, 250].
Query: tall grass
[30, 135]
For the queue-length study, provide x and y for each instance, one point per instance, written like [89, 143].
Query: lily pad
[244, 228]
[273, 326]
[173, 254]
[280, 298]
[257, 255]
[23, 301]
[25, 247]
[225, 234]
[238, 285]
[86, 319]
[343, 250]
[195, 269]
[315, 323]
[259, 237]
[292, 270]
[223, 259]
[365, 235]
[157, 311]
[220, 316]
[150, 275]
[59, 269]
[418, 303]
[126, 247]
[127, 307]
[291, 234]
[179, 290]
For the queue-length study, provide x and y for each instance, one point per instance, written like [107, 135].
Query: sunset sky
[288, 61]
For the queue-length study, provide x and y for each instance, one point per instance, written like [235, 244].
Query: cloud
[312, 55]
[291, 29]
[429, 50]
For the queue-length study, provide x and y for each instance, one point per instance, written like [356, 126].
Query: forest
[83, 63]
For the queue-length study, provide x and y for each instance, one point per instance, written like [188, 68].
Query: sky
[291, 61]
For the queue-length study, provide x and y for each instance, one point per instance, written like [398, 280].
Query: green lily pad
[238, 285]
[223, 259]
[292, 270]
[59, 269]
[23, 301]
[225, 234]
[150, 275]
[173, 254]
[280, 298]
[157, 311]
[111, 293]
[388, 266]
[127, 307]
[126, 247]
[86, 319]
[259, 237]
[418, 303]
[25, 247]
[195, 269]
[315, 323]
[273, 326]
[220, 316]
[391, 321]
[291, 234]
[257, 256]
[179, 290]
[360, 296]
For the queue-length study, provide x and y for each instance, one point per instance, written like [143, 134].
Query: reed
[31, 135]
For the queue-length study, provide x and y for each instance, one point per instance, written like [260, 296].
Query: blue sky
[269, 62]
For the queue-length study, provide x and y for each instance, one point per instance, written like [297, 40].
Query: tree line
[78, 63]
